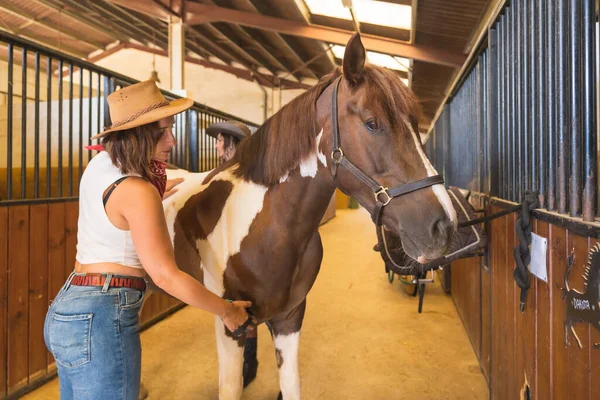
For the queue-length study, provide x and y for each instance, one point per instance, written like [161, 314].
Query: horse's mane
[389, 97]
[288, 137]
[282, 141]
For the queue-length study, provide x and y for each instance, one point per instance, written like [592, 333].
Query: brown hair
[283, 140]
[229, 145]
[132, 149]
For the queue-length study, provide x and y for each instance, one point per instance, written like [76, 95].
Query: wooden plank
[38, 287]
[594, 353]
[512, 296]
[71, 216]
[3, 299]
[56, 252]
[558, 257]
[525, 336]
[18, 298]
[499, 314]
[543, 383]
[579, 362]
[485, 322]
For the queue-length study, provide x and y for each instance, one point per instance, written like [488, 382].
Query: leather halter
[383, 195]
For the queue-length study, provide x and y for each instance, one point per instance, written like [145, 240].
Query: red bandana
[158, 169]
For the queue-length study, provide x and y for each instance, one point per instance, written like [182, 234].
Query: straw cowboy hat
[231, 127]
[140, 104]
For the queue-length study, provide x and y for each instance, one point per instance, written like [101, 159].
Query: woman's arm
[141, 206]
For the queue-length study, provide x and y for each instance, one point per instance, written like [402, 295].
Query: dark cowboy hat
[231, 127]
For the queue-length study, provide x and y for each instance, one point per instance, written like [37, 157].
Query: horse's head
[378, 119]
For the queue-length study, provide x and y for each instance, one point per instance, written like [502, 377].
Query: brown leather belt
[116, 281]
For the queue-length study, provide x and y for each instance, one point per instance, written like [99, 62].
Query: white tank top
[98, 240]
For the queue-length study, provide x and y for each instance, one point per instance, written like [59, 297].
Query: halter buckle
[383, 190]
[335, 159]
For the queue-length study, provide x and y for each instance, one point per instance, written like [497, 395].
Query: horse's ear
[354, 60]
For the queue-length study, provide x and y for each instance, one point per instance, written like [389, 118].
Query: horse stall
[521, 119]
[42, 157]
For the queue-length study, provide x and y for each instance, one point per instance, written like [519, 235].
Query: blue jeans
[93, 334]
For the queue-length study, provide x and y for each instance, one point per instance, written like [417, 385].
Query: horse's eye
[371, 125]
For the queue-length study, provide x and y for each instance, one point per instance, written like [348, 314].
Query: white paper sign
[538, 257]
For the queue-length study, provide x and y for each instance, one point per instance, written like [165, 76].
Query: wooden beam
[265, 80]
[106, 53]
[79, 18]
[47, 25]
[197, 13]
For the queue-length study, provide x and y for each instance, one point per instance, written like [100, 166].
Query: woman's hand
[170, 188]
[236, 314]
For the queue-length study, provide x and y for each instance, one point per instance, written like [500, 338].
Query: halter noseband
[382, 194]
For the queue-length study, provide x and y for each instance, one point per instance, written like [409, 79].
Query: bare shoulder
[136, 190]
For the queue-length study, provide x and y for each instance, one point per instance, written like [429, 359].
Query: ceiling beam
[79, 18]
[41, 40]
[32, 19]
[226, 55]
[289, 51]
[197, 13]
[239, 72]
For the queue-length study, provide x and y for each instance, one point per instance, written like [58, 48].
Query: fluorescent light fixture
[367, 11]
[384, 60]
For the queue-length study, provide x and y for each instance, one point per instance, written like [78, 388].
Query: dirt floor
[362, 337]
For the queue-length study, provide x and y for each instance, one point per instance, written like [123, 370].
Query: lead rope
[522, 252]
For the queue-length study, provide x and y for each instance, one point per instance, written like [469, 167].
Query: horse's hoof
[280, 397]
[249, 371]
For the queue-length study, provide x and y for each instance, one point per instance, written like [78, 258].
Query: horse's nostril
[441, 228]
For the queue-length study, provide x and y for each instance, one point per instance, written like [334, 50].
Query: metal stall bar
[532, 99]
[551, 106]
[503, 109]
[60, 127]
[494, 112]
[36, 154]
[590, 132]
[563, 112]
[542, 101]
[80, 143]
[9, 123]
[512, 114]
[520, 105]
[90, 97]
[24, 123]
[575, 88]
[49, 128]
[70, 172]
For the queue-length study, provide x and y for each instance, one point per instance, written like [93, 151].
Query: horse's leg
[231, 353]
[250, 359]
[286, 336]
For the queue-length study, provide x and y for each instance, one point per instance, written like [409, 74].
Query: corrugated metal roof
[443, 24]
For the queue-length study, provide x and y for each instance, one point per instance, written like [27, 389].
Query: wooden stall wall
[37, 252]
[524, 354]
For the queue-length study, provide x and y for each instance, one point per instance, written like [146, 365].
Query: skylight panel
[368, 11]
[384, 60]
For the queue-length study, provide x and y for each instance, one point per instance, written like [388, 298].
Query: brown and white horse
[249, 229]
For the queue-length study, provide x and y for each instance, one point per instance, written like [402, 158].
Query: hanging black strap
[112, 187]
[521, 252]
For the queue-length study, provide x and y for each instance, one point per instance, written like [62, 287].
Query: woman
[228, 134]
[91, 327]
